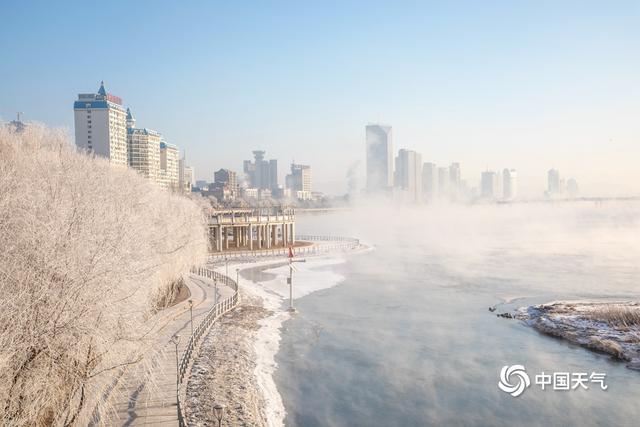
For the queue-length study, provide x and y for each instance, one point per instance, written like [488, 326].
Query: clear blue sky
[529, 85]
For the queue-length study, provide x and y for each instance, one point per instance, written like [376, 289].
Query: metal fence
[214, 314]
[328, 244]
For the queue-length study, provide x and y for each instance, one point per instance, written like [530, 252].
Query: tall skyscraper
[261, 174]
[429, 181]
[509, 184]
[299, 181]
[408, 174]
[100, 125]
[454, 178]
[443, 182]
[489, 185]
[379, 158]
[553, 182]
[273, 174]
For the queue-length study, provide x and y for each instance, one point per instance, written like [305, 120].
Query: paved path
[144, 402]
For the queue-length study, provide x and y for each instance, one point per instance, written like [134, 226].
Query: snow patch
[308, 277]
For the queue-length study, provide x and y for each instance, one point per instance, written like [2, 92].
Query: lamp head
[218, 411]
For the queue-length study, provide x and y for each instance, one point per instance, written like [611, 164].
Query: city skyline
[553, 85]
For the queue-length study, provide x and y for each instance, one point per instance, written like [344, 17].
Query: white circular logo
[520, 377]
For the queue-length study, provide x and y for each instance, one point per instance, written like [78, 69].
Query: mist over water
[407, 339]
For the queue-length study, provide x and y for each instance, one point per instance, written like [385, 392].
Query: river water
[406, 337]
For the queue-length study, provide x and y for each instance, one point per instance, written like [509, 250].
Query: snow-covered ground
[255, 330]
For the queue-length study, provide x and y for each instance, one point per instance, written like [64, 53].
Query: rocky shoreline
[608, 327]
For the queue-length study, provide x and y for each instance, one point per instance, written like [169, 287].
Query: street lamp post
[191, 311]
[175, 340]
[215, 295]
[290, 280]
[218, 411]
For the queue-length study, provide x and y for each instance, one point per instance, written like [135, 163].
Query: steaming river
[406, 339]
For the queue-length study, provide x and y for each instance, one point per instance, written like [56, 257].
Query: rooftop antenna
[18, 114]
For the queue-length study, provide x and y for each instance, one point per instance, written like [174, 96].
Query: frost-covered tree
[89, 252]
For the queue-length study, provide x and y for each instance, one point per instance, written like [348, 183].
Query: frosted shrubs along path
[152, 401]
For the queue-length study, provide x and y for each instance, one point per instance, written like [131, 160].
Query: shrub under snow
[88, 251]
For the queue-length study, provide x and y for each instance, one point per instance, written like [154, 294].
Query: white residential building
[443, 183]
[429, 181]
[186, 176]
[169, 173]
[509, 184]
[554, 183]
[489, 185]
[143, 147]
[100, 125]
[408, 174]
[299, 179]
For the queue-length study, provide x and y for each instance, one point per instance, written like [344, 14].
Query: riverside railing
[328, 244]
[214, 314]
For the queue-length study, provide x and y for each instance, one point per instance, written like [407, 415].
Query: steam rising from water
[406, 338]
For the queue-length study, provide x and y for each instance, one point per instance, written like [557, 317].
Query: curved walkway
[153, 401]
[144, 399]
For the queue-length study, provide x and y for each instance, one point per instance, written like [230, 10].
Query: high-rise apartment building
[509, 184]
[429, 181]
[226, 176]
[408, 174]
[261, 174]
[189, 178]
[299, 181]
[169, 167]
[100, 125]
[489, 185]
[144, 152]
[379, 158]
[443, 182]
[143, 149]
[454, 178]
[225, 184]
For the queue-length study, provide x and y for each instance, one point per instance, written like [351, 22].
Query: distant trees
[88, 251]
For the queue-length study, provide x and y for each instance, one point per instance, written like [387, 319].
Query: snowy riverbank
[236, 361]
[611, 327]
